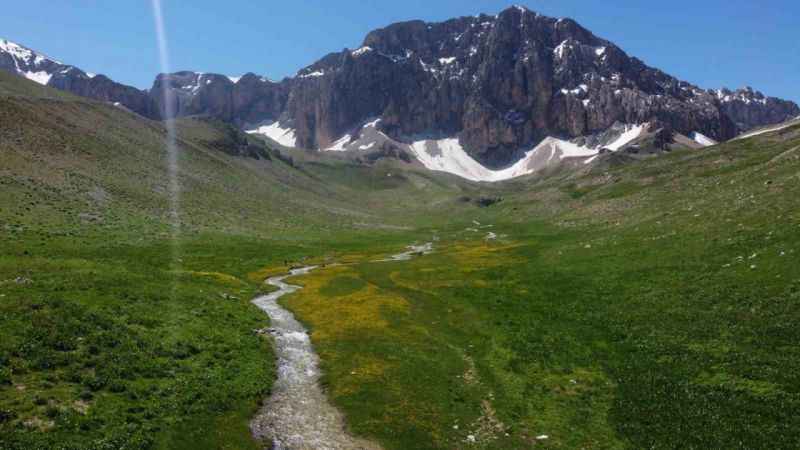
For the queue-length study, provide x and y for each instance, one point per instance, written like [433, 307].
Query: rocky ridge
[491, 86]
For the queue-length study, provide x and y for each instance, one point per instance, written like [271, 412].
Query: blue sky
[711, 43]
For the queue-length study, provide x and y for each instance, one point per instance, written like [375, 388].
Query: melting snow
[314, 74]
[20, 52]
[361, 51]
[702, 139]
[373, 124]
[41, 77]
[631, 133]
[340, 145]
[576, 91]
[274, 131]
[559, 51]
[447, 155]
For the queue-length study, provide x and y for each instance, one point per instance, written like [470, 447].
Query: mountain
[484, 97]
[20, 60]
[498, 86]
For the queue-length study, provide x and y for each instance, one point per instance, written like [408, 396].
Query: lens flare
[168, 115]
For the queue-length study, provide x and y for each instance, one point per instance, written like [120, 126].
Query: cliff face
[501, 83]
[751, 109]
[246, 100]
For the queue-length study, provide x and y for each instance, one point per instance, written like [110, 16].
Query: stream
[298, 416]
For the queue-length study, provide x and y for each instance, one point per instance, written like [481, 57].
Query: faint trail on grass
[413, 250]
[298, 416]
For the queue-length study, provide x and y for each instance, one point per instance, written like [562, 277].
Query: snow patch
[317, 73]
[20, 52]
[372, 124]
[577, 91]
[339, 145]
[234, 80]
[40, 77]
[631, 132]
[702, 139]
[447, 61]
[282, 135]
[561, 48]
[361, 51]
[447, 155]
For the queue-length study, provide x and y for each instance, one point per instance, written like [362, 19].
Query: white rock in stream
[298, 416]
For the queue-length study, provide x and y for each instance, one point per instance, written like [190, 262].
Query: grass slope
[646, 304]
[105, 341]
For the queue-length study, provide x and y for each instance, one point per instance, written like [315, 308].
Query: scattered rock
[81, 406]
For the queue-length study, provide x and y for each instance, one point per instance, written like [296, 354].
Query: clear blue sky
[711, 43]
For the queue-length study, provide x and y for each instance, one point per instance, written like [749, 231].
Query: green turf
[644, 305]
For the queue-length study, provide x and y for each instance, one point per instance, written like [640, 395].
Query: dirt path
[298, 416]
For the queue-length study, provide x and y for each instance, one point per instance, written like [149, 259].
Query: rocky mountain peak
[495, 85]
[749, 108]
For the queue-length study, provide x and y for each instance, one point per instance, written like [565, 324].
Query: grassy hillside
[105, 341]
[647, 304]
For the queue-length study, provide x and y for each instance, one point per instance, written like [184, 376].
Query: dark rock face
[751, 109]
[500, 83]
[248, 100]
[102, 88]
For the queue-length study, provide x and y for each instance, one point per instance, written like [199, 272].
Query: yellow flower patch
[362, 312]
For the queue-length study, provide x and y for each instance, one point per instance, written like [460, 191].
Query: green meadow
[651, 304]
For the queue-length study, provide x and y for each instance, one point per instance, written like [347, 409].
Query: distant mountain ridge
[496, 85]
[20, 60]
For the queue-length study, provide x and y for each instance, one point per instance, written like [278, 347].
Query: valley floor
[649, 304]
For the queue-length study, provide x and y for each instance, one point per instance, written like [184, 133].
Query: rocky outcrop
[246, 100]
[100, 87]
[750, 109]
